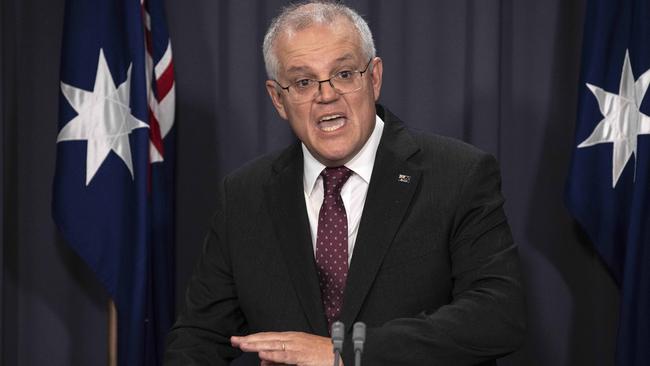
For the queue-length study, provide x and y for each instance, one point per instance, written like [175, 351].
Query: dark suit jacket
[434, 273]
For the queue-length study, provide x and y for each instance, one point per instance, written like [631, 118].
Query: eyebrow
[298, 69]
[345, 57]
[306, 69]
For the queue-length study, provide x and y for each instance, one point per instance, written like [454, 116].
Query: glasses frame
[320, 82]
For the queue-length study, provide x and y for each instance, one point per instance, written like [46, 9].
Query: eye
[303, 83]
[344, 75]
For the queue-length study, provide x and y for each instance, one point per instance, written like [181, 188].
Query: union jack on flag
[114, 181]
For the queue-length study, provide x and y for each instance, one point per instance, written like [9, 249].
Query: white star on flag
[623, 120]
[103, 119]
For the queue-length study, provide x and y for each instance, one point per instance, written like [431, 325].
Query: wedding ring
[284, 348]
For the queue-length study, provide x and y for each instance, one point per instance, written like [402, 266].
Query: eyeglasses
[343, 82]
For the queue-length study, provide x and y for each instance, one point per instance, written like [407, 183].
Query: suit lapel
[393, 183]
[287, 209]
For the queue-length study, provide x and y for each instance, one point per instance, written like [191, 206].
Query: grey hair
[299, 16]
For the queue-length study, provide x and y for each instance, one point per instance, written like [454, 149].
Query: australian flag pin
[404, 178]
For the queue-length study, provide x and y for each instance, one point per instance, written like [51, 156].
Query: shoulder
[262, 169]
[446, 164]
[428, 150]
[448, 155]
[437, 146]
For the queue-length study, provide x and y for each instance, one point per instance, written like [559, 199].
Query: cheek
[299, 123]
[298, 118]
[299, 113]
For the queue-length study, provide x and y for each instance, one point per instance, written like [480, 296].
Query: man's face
[318, 52]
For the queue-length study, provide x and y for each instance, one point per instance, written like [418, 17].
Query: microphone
[338, 335]
[358, 338]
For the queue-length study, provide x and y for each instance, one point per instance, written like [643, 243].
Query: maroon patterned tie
[332, 242]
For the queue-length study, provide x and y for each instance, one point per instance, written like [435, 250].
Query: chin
[336, 160]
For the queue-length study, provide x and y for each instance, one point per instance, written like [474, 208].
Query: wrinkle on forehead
[332, 39]
[303, 68]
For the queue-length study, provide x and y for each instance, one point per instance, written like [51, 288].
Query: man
[362, 221]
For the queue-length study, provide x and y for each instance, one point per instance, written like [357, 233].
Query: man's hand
[288, 348]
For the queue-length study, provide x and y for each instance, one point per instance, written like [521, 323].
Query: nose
[326, 92]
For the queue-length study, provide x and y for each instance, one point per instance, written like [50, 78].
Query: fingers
[277, 357]
[264, 336]
[271, 351]
[271, 347]
[269, 363]
[267, 341]
[290, 348]
[267, 346]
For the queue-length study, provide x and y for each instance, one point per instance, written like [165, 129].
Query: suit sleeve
[485, 319]
[201, 335]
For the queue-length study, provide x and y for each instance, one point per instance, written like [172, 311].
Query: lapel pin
[404, 178]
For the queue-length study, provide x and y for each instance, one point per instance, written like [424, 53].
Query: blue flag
[113, 187]
[608, 191]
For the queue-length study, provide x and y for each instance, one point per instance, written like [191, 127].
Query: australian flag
[608, 191]
[113, 187]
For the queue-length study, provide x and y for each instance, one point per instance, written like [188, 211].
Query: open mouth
[331, 122]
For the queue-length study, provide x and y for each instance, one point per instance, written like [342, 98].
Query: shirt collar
[361, 164]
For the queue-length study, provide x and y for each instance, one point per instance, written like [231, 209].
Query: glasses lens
[304, 93]
[348, 82]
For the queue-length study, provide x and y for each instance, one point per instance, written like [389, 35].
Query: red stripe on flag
[154, 133]
[165, 81]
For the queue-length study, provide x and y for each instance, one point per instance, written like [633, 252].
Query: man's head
[318, 41]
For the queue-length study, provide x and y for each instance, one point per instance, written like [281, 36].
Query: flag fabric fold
[608, 188]
[114, 181]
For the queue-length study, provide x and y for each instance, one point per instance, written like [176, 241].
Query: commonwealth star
[623, 120]
[103, 119]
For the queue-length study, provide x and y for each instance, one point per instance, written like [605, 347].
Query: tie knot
[334, 178]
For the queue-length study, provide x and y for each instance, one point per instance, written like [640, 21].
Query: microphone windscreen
[359, 335]
[338, 335]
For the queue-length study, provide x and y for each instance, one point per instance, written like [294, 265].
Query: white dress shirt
[354, 191]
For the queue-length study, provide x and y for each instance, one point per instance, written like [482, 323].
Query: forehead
[318, 47]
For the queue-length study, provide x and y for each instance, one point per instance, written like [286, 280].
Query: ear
[274, 92]
[376, 75]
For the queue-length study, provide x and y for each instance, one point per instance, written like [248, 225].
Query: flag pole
[112, 333]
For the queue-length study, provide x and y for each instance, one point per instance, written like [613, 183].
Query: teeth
[331, 128]
[331, 123]
[327, 118]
